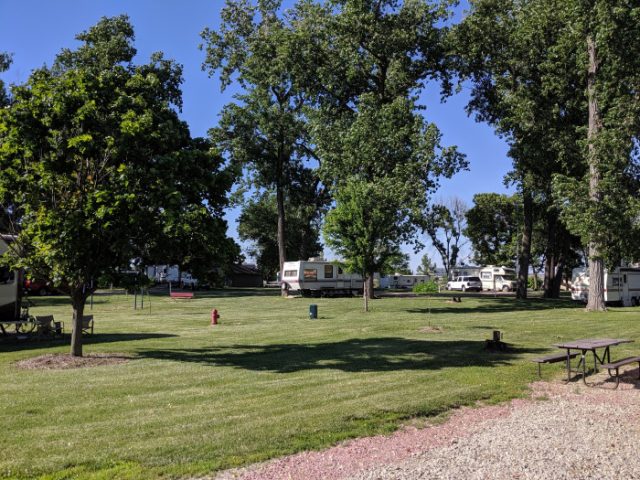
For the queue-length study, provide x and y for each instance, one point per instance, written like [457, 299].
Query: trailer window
[339, 271]
[310, 274]
[328, 271]
[615, 281]
[486, 275]
[291, 273]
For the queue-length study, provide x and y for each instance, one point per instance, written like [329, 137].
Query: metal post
[142, 299]
[135, 299]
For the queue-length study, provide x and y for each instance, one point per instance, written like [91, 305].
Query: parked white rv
[403, 281]
[171, 273]
[9, 287]
[498, 278]
[620, 286]
[318, 277]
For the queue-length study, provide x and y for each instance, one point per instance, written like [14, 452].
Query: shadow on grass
[222, 293]
[355, 355]
[12, 343]
[499, 305]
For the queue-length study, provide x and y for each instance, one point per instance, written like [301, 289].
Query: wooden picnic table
[592, 345]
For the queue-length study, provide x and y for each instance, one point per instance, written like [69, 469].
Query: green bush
[427, 287]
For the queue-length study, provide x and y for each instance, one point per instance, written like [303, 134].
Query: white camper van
[620, 286]
[498, 278]
[9, 287]
[317, 277]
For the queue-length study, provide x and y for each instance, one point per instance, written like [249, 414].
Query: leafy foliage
[427, 266]
[426, 287]
[445, 225]
[492, 227]
[379, 157]
[104, 171]
[264, 132]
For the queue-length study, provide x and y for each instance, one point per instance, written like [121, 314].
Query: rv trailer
[498, 278]
[620, 286]
[317, 277]
[9, 287]
[399, 280]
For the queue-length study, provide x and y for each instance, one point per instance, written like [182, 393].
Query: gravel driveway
[561, 432]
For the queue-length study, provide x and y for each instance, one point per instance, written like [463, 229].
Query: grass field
[267, 381]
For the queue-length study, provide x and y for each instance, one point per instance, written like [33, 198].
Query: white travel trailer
[620, 286]
[316, 277]
[498, 278]
[171, 273]
[9, 287]
[403, 281]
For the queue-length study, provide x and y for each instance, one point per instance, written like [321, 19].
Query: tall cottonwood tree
[509, 49]
[101, 166]
[379, 157]
[265, 131]
[602, 206]
[561, 81]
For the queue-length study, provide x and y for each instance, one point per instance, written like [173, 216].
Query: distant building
[244, 276]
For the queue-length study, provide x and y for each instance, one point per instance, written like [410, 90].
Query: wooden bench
[181, 294]
[555, 358]
[620, 363]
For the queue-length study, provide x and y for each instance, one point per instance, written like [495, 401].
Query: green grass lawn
[267, 381]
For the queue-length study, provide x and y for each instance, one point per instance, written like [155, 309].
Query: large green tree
[559, 80]
[305, 206]
[264, 132]
[492, 227]
[379, 157]
[602, 205]
[104, 171]
[510, 50]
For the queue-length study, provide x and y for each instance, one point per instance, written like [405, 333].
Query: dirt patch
[431, 329]
[63, 361]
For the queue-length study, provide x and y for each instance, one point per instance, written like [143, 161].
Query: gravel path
[561, 432]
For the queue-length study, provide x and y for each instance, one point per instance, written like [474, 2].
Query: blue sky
[35, 31]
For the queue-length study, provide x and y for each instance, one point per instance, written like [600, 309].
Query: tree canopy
[379, 157]
[102, 168]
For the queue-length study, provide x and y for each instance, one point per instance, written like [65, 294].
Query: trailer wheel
[464, 289]
[505, 288]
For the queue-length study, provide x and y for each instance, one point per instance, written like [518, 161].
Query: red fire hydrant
[214, 317]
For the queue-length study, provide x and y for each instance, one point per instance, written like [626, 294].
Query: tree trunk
[365, 292]
[550, 256]
[596, 264]
[370, 289]
[281, 234]
[78, 300]
[525, 244]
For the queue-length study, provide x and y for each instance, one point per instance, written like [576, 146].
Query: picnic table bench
[620, 363]
[604, 359]
[181, 294]
[555, 358]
